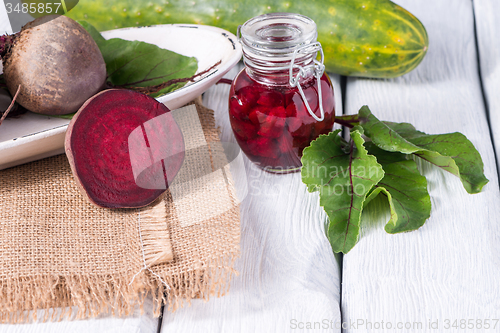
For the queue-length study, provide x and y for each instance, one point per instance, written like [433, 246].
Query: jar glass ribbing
[273, 120]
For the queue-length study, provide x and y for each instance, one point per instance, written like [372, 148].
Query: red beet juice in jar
[282, 99]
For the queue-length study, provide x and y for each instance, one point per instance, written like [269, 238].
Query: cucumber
[368, 38]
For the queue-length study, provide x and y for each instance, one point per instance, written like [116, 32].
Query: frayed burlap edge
[54, 298]
[82, 296]
[212, 280]
[213, 277]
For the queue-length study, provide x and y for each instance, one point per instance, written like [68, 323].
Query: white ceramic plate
[32, 136]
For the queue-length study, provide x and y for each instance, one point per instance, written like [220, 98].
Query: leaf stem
[348, 120]
[11, 105]
[225, 81]
[157, 88]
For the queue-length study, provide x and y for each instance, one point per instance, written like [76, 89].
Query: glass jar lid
[274, 37]
[278, 32]
[284, 43]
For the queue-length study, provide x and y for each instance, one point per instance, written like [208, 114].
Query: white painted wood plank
[288, 274]
[449, 268]
[487, 14]
[135, 323]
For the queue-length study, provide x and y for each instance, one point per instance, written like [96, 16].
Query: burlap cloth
[59, 251]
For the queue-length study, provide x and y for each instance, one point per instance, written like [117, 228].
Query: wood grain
[288, 273]
[449, 268]
[144, 323]
[446, 270]
[487, 15]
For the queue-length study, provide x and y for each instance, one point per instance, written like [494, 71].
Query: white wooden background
[447, 270]
[450, 268]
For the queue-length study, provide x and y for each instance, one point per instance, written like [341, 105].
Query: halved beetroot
[124, 148]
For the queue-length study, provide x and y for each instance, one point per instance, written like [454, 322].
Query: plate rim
[224, 67]
[30, 138]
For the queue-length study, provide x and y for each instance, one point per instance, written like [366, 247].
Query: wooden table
[447, 273]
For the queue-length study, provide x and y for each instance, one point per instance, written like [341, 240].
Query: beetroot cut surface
[124, 148]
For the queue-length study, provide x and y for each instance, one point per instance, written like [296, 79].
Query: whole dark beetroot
[57, 64]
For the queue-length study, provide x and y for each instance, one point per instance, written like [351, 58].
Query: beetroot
[272, 125]
[56, 62]
[270, 98]
[244, 130]
[124, 148]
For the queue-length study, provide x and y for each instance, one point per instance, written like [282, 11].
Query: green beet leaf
[405, 189]
[140, 64]
[452, 152]
[343, 173]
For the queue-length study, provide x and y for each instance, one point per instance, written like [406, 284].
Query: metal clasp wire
[318, 68]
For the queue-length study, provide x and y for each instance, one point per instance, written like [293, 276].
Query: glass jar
[282, 99]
